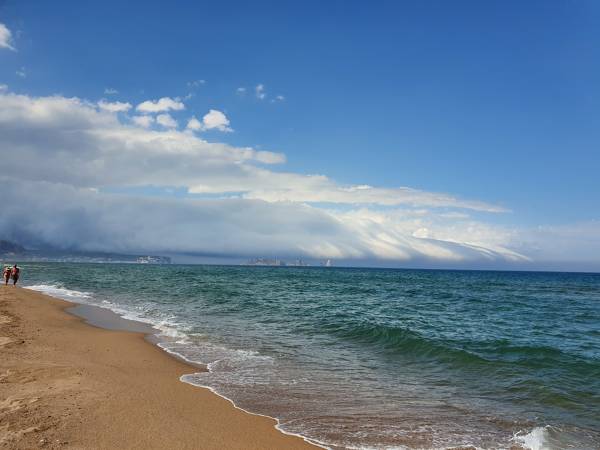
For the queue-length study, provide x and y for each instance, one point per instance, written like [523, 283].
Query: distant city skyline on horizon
[398, 135]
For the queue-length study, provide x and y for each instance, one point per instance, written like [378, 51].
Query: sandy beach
[67, 384]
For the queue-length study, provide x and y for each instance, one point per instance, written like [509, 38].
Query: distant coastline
[276, 262]
[13, 251]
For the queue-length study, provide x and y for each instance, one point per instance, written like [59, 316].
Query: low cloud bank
[75, 218]
[62, 154]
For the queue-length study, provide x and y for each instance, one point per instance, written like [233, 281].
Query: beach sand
[67, 384]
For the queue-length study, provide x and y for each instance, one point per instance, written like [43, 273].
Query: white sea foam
[60, 292]
[536, 439]
[166, 328]
[172, 330]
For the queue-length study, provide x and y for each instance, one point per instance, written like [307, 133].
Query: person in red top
[15, 274]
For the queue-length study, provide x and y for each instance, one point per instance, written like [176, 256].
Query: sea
[352, 358]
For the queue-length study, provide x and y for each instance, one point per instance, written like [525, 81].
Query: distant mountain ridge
[17, 251]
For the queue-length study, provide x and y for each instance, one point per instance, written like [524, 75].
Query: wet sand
[67, 384]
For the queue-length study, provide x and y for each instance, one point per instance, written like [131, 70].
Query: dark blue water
[371, 358]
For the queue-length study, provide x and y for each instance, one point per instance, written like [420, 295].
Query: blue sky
[493, 101]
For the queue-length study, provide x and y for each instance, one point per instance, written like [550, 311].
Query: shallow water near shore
[373, 358]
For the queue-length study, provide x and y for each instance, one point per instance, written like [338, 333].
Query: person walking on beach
[14, 273]
[6, 274]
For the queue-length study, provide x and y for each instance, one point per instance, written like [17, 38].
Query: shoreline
[113, 321]
[69, 383]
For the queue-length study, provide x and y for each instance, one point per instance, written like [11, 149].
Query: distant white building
[264, 262]
[153, 260]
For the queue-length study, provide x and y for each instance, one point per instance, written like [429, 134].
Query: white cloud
[143, 121]
[73, 127]
[64, 216]
[195, 83]
[240, 91]
[194, 124]
[213, 120]
[279, 98]
[166, 120]
[6, 38]
[68, 147]
[110, 91]
[216, 120]
[259, 91]
[114, 106]
[3, 87]
[277, 187]
[573, 242]
[163, 104]
[21, 72]
[402, 234]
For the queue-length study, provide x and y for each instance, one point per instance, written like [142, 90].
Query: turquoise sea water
[372, 358]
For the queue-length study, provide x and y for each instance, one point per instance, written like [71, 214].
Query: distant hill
[12, 250]
[11, 247]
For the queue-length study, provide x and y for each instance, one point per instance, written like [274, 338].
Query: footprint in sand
[5, 376]
[4, 319]
[4, 340]
[7, 436]
[13, 403]
[20, 376]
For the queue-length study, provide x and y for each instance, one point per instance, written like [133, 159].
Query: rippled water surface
[372, 358]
